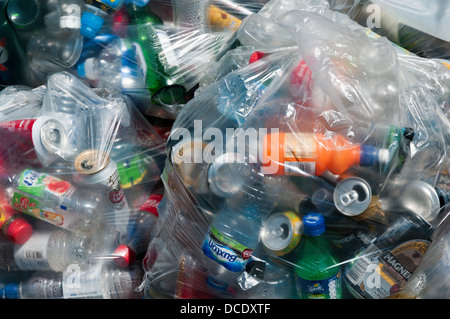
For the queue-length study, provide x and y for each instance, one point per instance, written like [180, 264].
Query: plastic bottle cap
[10, 291]
[124, 256]
[90, 24]
[86, 69]
[313, 224]
[19, 231]
[257, 55]
[369, 155]
[151, 204]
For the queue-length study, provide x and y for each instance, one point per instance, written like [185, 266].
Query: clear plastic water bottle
[52, 250]
[95, 14]
[118, 67]
[51, 199]
[234, 233]
[97, 282]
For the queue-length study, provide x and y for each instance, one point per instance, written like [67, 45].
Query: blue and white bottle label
[330, 288]
[226, 251]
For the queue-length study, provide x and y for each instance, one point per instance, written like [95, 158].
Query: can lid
[313, 224]
[352, 196]
[223, 174]
[91, 161]
[124, 256]
[281, 232]
[90, 24]
[19, 231]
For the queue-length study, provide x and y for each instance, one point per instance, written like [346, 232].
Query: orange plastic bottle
[288, 153]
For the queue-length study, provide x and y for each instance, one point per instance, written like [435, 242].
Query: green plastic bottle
[317, 270]
[145, 29]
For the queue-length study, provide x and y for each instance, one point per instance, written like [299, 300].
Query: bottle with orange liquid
[289, 153]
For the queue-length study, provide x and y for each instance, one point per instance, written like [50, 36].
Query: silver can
[97, 169]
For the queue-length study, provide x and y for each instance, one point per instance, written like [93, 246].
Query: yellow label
[221, 20]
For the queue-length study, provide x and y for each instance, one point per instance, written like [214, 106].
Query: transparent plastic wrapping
[329, 137]
[217, 149]
[417, 27]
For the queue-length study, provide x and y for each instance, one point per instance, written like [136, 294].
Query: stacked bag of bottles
[90, 90]
[311, 163]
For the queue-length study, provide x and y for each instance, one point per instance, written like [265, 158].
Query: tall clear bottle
[97, 282]
[317, 270]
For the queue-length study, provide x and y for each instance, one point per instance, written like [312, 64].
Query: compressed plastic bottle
[95, 14]
[287, 153]
[51, 199]
[318, 271]
[140, 232]
[116, 67]
[234, 233]
[96, 282]
[147, 33]
[52, 250]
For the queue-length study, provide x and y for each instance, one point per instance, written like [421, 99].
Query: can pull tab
[349, 197]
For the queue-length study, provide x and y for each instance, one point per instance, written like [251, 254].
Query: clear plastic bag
[335, 122]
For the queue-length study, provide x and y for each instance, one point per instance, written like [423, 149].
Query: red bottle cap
[124, 256]
[19, 231]
[257, 55]
[151, 204]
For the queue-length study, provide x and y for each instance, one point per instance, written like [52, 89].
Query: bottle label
[37, 184]
[107, 6]
[131, 171]
[378, 274]
[226, 251]
[299, 153]
[81, 284]
[330, 288]
[34, 186]
[32, 255]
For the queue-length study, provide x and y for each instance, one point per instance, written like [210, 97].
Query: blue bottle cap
[90, 24]
[10, 291]
[81, 71]
[369, 155]
[313, 224]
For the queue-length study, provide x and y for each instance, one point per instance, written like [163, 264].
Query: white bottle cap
[89, 70]
[70, 22]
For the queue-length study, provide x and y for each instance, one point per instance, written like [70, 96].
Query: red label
[247, 253]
